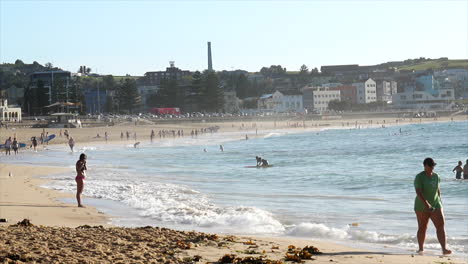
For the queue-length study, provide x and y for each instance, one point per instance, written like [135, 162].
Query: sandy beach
[62, 233]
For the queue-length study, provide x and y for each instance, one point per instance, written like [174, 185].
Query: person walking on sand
[458, 169]
[34, 143]
[428, 205]
[71, 143]
[80, 177]
[8, 146]
[15, 146]
[465, 171]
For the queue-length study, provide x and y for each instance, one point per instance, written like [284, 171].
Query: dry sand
[56, 238]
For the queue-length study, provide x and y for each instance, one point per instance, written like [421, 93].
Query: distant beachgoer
[259, 160]
[71, 143]
[265, 163]
[121, 135]
[428, 205]
[34, 143]
[221, 148]
[8, 146]
[458, 169]
[465, 171]
[152, 135]
[80, 176]
[106, 136]
[60, 133]
[15, 146]
[204, 150]
[246, 137]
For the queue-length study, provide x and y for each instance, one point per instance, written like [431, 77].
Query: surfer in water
[265, 163]
[259, 160]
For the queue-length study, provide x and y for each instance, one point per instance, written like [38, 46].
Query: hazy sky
[119, 37]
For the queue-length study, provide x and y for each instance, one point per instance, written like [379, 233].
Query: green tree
[128, 97]
[213, 92]
[195, 93]
[242, 86]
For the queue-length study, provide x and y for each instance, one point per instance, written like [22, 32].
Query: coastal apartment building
[347, 93]
[49, 79]
[366, 91]
[171, 73]
[286, 101]
[424, 93]
[385, 90]
[318, 98]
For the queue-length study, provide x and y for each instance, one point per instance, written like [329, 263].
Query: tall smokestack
[210, 63]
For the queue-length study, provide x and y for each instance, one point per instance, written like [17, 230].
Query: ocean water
[336, 184]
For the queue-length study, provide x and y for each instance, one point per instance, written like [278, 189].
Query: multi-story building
[318, 98]
[366, 91]
[49, 79]
[286, 101]
[171, 73]
[424, 93]
[385, 90]
[95, 100]
[347, 93]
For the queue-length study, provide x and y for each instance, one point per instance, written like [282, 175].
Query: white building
[439, 98]
[281, 102]
[9, 113]
[366, 91]
[318, 98]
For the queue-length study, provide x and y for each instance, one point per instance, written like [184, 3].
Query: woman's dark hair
[429, 162]
[82, 156]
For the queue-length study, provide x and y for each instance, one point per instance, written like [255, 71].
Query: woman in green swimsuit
[428, 205]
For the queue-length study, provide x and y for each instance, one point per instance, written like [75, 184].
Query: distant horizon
[119, 38]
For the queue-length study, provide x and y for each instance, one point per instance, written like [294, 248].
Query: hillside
[435, 65]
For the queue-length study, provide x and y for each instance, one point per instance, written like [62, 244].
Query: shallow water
[321, 183]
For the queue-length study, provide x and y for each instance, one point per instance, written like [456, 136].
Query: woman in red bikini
[80, 176]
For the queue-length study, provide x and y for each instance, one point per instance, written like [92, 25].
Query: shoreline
[26, 180]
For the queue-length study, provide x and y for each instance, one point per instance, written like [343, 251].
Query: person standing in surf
[428, 205]
[465, 171]
[80, 177]
[71, 143]
[458, 170]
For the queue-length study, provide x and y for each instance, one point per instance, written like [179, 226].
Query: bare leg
[79, 190]
[438, 219]
[423, 220]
